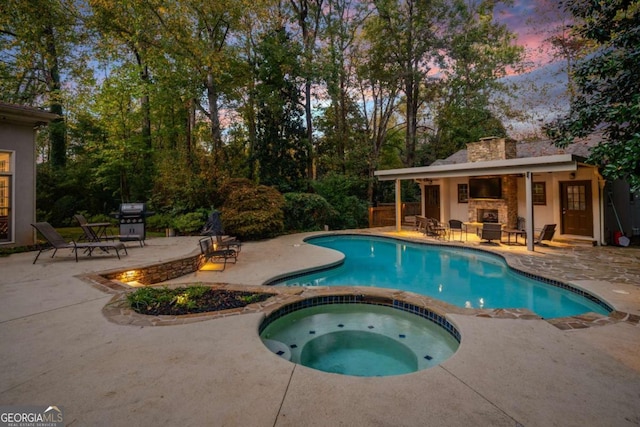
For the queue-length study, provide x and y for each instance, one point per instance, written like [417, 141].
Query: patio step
[587, 242]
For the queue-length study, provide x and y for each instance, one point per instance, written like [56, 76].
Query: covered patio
[570, 186]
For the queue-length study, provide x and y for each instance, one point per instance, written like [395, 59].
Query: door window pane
[576, 198]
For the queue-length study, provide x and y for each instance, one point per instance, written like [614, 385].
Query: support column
[528, 184]
[398, 206]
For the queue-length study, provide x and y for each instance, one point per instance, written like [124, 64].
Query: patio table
[514, 232]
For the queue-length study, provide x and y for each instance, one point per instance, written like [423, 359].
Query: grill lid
[132, 208]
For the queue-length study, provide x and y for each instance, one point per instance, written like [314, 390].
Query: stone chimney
[491, 148]
[506, 208]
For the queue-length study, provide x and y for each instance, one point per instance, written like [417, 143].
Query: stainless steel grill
[133, 219]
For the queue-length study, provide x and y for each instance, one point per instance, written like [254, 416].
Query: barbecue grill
[133, 219]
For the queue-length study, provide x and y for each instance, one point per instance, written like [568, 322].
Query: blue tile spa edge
[362, 299]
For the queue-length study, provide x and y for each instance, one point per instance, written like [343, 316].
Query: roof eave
[25, 115]
[555, 163]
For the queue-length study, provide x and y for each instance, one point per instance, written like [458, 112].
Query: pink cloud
[534, 21]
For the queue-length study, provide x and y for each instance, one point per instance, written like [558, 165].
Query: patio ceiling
[555, 163]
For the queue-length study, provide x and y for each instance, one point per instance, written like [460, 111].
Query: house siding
[19, 140]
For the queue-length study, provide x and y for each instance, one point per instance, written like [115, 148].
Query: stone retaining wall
[161, 272]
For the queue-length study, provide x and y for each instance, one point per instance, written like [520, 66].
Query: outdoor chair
[97, 232]
[491, 231]
[228, 243]
[213, 228]
[421, 224]
[56, 241]
[212, 253]
[457, 225]
[546, 233]
[436, 229]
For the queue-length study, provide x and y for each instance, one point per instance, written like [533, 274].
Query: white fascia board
[556, 163]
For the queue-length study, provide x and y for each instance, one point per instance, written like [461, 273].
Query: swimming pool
[459, 276]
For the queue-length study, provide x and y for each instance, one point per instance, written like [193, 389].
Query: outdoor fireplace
[488, 215]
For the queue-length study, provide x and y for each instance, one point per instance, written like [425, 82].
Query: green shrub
[307, 212]
[253, 212]
[189, 223]
[159, 222]
[347, 195]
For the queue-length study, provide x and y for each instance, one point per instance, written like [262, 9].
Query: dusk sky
[543, 88]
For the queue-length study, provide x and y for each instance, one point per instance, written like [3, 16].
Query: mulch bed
[211, 300]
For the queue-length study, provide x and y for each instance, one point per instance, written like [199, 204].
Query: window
[539, 193]
[5, 196]
[463, 193]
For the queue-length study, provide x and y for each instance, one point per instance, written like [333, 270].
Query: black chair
[436, 229]
[457, 225]
[491, 231]
[212, 253]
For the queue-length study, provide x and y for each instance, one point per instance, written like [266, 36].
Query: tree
[38, 41]
[608, 98]
[404, 35]
[378, 89]
[308, 14]
[477, 54]
[281, 148]
[554, 24]
[342, 146]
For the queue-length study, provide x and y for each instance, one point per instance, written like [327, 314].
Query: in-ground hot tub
[360, 339]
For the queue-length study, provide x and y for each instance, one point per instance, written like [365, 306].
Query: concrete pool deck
[59, 349]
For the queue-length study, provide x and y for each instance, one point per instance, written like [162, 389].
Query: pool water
[361, 339]
[470, 279]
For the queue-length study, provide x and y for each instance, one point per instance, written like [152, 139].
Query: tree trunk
[57, 128]
[412, 93]
[212, 96]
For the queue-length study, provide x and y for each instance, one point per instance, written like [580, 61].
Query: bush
[159, 222]
[347, 196]
[307, 212]
[189, 223]
[253, 212]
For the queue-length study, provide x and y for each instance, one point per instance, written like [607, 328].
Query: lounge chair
[546, 233]
[97, 232]
[56, 241]
[213, 253]
[213, 228]
[228, 242]
[491, 231]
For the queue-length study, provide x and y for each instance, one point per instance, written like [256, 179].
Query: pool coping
[117, 313]
[593, 297]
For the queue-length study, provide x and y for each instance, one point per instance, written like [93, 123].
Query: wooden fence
[385, 213]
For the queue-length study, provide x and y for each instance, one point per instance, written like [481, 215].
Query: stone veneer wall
[492, 148]
[507, 207]
[156, 273]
